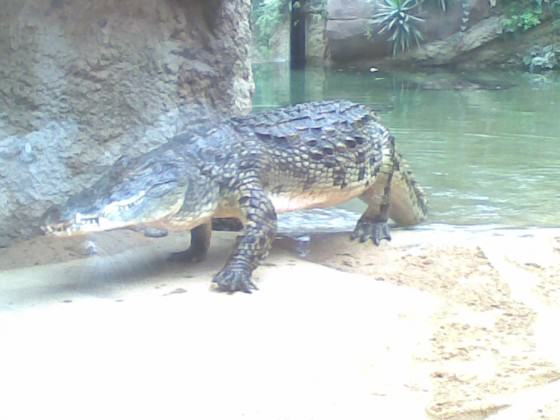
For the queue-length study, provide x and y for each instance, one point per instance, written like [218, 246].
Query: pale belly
[283, 203]
[292, 202]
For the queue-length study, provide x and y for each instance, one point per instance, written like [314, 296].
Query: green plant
[524, 21]
[396, 19]
[523, 15]
[267, 15]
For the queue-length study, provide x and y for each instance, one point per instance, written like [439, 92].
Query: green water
[486, 147]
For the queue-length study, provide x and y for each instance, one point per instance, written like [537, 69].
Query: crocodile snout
[53, 221]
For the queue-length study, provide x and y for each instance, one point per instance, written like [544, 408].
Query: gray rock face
[456, 47]
[316, 44]
[539, 60]
[484, 45]
[349, 22]
[83, 82]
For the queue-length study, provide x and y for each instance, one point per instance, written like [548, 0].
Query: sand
[438, 324]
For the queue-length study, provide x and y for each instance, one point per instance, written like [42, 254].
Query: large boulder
[83, 82]
[484, 45]
[352, 36]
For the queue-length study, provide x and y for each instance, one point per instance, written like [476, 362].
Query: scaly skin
[250, 168]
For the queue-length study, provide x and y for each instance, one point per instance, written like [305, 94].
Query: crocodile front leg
[253, 246]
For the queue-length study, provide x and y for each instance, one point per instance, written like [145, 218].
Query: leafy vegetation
[397, 19]
[266, 16]
[400, 21]
[523, 21]
[526, 14]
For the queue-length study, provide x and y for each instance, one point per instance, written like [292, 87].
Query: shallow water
[486, 147]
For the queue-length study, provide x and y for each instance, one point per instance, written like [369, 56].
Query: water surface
[486, 147]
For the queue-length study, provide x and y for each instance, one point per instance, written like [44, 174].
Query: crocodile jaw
[62, 222]
[82, 224]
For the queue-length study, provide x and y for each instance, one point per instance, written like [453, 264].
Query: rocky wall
[352, 37]
[315, 32]
[83, 82]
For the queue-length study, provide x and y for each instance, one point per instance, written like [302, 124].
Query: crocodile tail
[408, 201]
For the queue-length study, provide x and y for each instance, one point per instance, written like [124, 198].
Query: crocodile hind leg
[374, 222]
[200, 242]
[255, 243]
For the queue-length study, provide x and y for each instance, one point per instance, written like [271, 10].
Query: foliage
[266, 16]
[526, 14]
[524, 22]
[396, 18]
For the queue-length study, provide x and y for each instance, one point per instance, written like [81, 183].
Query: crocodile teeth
[89, 220]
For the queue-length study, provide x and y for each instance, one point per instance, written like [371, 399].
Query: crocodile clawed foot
[369, 229]
[234, 281]
[188, 256]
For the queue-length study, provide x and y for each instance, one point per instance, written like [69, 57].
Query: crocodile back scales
[332, 147]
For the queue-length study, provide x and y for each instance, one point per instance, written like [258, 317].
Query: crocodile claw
[234, 281]
[367, 229]
[188, 256]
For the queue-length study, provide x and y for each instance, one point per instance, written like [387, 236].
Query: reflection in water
[486, 147]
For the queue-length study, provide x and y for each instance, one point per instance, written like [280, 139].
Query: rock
[152, 232]
[83, 83]
[350, 9]
[541, 59]
[348, 41]
[453, 48]
[279, 45]
[4, 242]
[352, 37]
[483, 45]
[275, 47]
[88, 249]
[315, 35]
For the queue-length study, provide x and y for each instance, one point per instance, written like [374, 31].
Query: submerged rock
[542, 59]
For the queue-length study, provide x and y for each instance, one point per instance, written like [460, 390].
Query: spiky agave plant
[395, 18]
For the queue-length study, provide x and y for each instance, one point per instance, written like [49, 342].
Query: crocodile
[250, 168]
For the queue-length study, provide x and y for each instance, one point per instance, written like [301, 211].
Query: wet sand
[437, 324]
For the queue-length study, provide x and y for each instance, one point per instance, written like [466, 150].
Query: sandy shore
[438, 324]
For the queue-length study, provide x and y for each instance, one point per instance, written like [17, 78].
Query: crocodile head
[133, 192]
